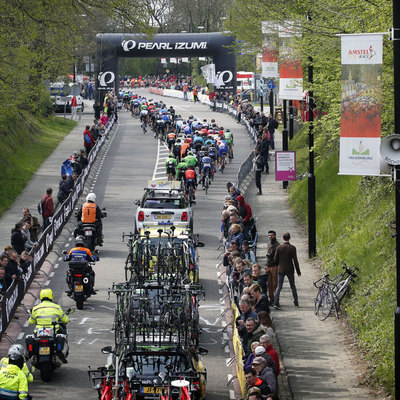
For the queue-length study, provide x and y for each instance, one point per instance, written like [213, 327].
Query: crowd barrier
[16, 292]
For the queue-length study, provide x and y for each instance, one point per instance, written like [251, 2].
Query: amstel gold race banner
[290, 66]
[269, 50]
[360, 128]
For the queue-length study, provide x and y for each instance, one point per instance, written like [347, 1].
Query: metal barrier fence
[16, 292]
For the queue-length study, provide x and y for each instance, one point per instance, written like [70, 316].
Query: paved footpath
[318, 364]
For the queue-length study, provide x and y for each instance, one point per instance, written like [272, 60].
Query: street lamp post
[396, 76]
[312, 230]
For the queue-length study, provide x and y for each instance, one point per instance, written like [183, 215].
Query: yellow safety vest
[13, 383]
[47, 312]
[4, 362]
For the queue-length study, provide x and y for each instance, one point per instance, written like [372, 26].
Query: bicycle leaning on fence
[332, 291]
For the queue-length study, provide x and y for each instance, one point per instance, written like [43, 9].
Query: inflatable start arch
[111, 46]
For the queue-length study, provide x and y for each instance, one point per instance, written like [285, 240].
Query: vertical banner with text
[360, 127]
[269, 66]
[290, 65]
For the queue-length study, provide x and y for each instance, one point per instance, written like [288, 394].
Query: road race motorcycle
[89, 232]
[48, 348]
[80, 281]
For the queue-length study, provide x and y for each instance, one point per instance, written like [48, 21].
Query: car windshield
[163, 204]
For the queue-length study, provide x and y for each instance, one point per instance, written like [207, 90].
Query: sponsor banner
[270, 51]
[359, 156]
[132, 45]
[269, 70]
[290, 67]
[360, 125]
[285, 165]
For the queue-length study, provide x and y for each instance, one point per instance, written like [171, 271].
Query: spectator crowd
[255, 289]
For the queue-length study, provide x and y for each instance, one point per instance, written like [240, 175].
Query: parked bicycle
[332, 291]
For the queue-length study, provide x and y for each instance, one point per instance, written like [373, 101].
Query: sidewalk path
[317, 361]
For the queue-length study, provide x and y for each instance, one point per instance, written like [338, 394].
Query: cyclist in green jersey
[190, 160]
[229, 141]
[180, 170]
[170, 167]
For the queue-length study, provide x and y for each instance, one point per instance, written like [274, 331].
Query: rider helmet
[80, 240]
[46, 294]
[91, 197]
[16, 359]
[16, 348]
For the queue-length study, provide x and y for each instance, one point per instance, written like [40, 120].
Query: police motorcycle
[48, 347]
[80, 275]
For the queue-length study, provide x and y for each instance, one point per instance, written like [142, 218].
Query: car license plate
[150, 389]
[88, 233]
[78, 288]
[163, 216]
[44, 351]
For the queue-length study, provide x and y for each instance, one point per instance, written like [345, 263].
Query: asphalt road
[129, 164]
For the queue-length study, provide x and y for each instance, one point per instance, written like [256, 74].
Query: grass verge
[353, 218]
[24, 146]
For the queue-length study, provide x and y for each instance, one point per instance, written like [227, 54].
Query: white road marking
[56, 266]
[158, 157]
[52, 274]
[20, 336]
[227, 349]
[232, 395]
[47, 283]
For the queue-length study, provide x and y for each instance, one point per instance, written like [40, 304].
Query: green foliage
[41, 39]
[26, 143]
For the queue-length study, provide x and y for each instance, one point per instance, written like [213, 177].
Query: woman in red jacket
[88, 140]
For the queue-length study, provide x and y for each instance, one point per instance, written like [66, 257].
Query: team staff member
[13, 382]
[19, 349]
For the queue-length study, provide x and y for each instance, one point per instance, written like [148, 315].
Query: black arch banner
[111, 46]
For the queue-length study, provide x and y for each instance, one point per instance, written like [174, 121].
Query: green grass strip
[24, 147]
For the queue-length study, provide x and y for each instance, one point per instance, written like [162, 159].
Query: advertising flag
[269, 66]
[290, 67]
[360, 126]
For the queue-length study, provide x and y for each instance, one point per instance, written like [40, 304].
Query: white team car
[163, 204]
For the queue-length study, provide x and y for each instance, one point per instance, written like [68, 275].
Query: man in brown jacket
[286, 259]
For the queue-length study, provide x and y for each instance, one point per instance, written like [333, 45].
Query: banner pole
[285, 141]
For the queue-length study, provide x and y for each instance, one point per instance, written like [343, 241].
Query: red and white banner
[269, 65]
[290, 65]
[360, 127]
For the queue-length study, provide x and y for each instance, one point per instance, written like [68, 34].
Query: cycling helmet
[16, 359]
[91, 197]
[16, 348]
[46, 294]
[79, 240]
[227, 130]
